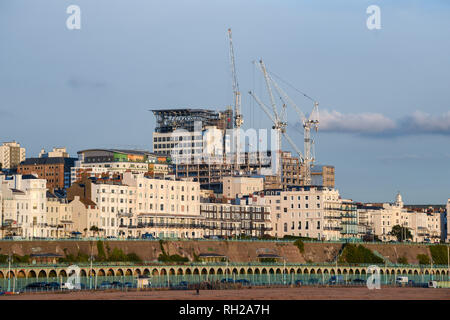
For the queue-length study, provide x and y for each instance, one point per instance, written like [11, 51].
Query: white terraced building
[23, 206]
[381, 218]
[313, 212]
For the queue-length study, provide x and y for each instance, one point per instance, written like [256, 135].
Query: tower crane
[308, 123]
[312, 121]
[278, 120]
[238, 119]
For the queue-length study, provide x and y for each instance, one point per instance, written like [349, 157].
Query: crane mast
[312, 121]
[238, 119]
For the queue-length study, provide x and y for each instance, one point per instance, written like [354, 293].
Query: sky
[384, 94]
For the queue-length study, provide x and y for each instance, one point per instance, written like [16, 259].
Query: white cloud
[334, 121]
[377, 124]
[421, 122]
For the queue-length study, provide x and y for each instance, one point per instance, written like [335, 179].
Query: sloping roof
[125, 151]
[17, 191]
[88, 203]
[53, 160]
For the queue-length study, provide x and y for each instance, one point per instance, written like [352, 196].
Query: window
[307, 225]
[318, 224]
[285, 227]
[299, 225]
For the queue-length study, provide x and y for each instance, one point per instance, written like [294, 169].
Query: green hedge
[358, 254]
[439, 253]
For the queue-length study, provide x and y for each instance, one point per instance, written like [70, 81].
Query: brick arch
[110, 273]
[235, 271]
[264, 271]
[101, 273]
[357, 271]
[219, 271]
[180, 271]
[119, 272]
[306, 271]
[410, 271]
[137, 272]
[319, 271]
[42, 274]
[129, 272]
[242, 271]
[249, 271]
[31, 274]
[299, 271]
[363, 271]
[271, 271]
[312, 271]
[212, 271]
[83, 273]
[52, 274]
[163, 272]
[21, 274]
[146, 272]
[196, 271]
[92, 273]
[204, 271]
[257, 271]
[344, 271]
[155, 272]
[292, 271]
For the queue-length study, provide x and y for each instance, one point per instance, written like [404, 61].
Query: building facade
[240, 185]
[101, 162]
[24, 206]
[55, 170]
[11, 154]
[245, 217]
[313, 212]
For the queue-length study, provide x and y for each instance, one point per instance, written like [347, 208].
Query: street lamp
[9, 271]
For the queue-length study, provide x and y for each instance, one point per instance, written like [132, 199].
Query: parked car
[105, 285]
[116, 284]
[336, 280]
[35, 286]
[52, 286]
[244, 282]
[183, 285]
[129, 285]
[358, 281]
[72, 286]
[402, 281]
[432, 284]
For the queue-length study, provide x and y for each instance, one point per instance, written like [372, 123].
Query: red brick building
[55, 170]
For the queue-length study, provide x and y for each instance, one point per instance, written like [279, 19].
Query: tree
[94, 229]
[401, 233]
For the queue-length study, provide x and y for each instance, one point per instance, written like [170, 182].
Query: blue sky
[384, 94]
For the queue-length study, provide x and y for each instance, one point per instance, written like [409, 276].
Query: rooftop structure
[168, 120]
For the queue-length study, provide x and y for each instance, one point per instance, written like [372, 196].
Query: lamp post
[9, 272]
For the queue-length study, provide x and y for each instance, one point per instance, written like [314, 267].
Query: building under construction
[186, 135]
